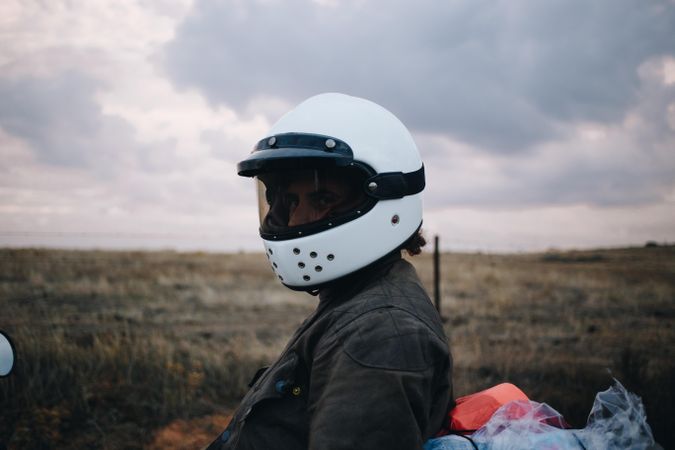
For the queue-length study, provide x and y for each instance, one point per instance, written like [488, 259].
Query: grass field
[153, 350]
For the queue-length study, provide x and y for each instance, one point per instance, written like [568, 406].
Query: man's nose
[304, 213]
[301, 215]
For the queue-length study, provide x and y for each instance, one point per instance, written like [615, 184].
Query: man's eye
[290, 201]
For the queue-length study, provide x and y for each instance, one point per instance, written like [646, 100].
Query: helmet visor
[302, 202]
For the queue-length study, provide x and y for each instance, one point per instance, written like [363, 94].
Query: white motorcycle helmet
[334, 140]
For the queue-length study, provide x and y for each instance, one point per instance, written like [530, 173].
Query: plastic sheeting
[525, 424]
[617, 421]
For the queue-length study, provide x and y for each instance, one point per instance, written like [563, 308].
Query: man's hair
[414, 244]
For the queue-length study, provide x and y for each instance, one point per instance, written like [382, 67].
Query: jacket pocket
[274, 412]
[276, 382]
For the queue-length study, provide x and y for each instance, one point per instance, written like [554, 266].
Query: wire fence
[223, 242]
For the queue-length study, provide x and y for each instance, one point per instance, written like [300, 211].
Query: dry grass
[114, 345]
[558, 324]
[135, 350]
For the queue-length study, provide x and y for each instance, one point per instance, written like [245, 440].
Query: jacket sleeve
[380, 382]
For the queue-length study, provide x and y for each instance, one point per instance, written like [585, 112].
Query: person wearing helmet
[339, 193]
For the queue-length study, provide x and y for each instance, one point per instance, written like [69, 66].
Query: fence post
[437, 275]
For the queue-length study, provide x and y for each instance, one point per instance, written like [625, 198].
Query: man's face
[309, 196]
[308, 201]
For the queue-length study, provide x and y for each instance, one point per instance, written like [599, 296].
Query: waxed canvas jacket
[368, 369]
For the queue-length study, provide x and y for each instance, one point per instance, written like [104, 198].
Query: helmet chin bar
[307, 262]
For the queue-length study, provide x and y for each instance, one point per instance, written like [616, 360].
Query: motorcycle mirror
[7, 355]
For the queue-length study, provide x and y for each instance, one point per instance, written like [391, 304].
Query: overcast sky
[543, 124]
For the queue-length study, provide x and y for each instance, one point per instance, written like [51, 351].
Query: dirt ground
[189, 434]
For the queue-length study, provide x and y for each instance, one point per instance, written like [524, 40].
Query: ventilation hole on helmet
[330, 257]
[296, 251]
[268, 255]
[395, 219]
[301, 265]
[312, 254]
[271, 252]
[275, 265]
[318, 268]
[306, 278]
[281, 278]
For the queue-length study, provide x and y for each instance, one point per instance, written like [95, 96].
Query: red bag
[473, 410]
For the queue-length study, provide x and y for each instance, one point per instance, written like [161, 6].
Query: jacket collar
[348, 286]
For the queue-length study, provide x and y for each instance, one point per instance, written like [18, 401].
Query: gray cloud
[500, 75]
[57, 116]
[225, 146]
[60, 119]
[577, 182]
[621, 170]
[628, 164]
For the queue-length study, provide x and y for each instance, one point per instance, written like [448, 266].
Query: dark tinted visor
[306, 201]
